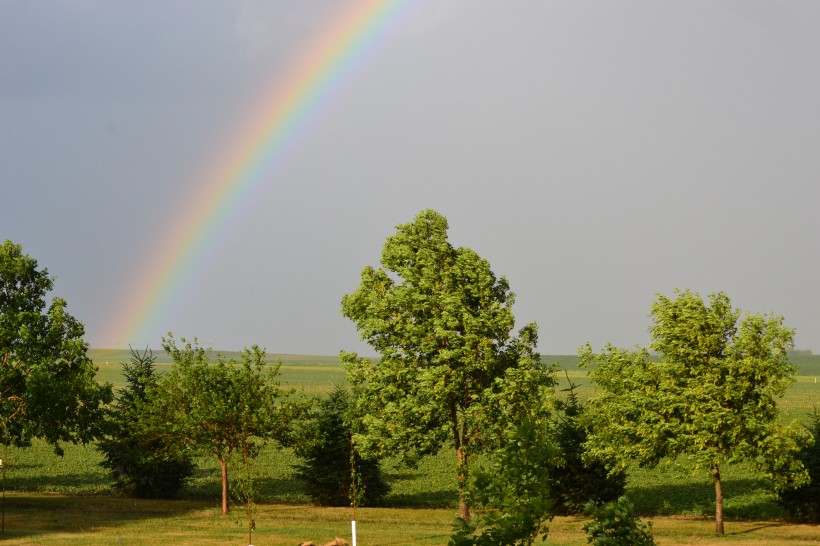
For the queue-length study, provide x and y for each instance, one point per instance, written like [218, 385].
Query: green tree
[222, 407]
[141, 459]
[441, 321]
[48, 387]
[711, 393]
[579, 479]
[331, 461]
[802, 502]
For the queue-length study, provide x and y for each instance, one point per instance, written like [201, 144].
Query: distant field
[313, 373]
[317, 374]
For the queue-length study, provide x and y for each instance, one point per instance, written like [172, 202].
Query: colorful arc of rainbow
[271, 128]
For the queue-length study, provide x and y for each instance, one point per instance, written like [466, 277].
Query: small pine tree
[141, 463]
[578, 481]
[328, 451]
[803, 503]
[615, 524]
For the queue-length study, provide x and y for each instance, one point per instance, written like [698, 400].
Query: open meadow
[69, 500]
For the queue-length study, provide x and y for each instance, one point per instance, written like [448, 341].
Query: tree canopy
[711, 392]
[47, 381]
[450, 371]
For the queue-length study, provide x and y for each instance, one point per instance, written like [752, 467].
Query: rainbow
[271, 128]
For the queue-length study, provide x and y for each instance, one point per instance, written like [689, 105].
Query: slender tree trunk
[461, 465]
[223, 465]
[718, 502]
[463, 507]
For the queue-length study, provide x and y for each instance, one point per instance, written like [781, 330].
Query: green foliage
[47, 382]
[802, 502]
[579, 479]
[615, 524]
[712, 393]
[218, 408]
[441, 321]
[336, 474]
[142, 462]
[511, 492]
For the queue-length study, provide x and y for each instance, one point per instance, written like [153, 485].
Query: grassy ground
[51, 520]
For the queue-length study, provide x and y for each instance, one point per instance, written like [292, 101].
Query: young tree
[141, 460]
[712, 393]
[48, 387]
[441, 321]
[331, 461]
[218, 408]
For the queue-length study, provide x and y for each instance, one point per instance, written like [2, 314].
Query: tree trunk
[461, 464]
[223, 465]
[463, 507]
[718, 502]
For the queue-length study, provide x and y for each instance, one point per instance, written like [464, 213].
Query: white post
[353, 522]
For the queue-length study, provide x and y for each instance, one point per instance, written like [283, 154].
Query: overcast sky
[596, 153]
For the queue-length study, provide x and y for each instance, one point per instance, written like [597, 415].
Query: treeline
[451, 374]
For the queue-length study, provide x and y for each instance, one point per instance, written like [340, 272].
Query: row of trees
[451, 373]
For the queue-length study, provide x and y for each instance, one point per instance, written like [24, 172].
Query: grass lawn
[93, 520]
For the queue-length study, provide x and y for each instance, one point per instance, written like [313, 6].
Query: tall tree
[48, 387]
[142, 461]
[711, 393]
[218, 408]
[441, 321]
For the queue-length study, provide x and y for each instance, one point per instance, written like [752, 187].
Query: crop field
[69, 500]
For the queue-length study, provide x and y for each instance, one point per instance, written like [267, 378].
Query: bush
[578, 481]
[803, 503]
[615, 524]
[327, 450]
[142, 464]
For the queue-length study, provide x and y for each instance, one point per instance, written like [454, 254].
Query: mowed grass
[69, 499]
[97, 521]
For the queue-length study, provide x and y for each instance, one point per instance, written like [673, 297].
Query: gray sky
[595, 153]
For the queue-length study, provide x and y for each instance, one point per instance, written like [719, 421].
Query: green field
[420, 504]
